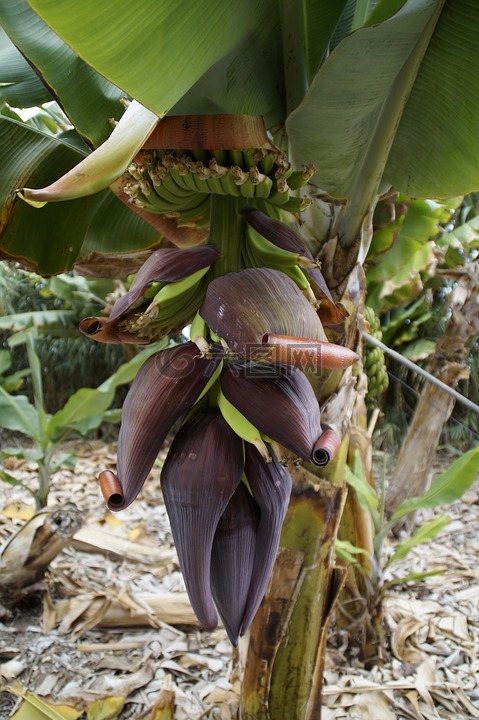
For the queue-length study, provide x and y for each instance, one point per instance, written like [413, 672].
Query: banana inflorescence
[254, 296]
[375, 362]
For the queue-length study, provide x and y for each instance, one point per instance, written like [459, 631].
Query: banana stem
[226, 234]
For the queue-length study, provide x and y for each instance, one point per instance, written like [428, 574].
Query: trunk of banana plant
[287, 641]
[412, 474]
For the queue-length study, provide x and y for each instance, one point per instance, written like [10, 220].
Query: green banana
[374, 362]
[214, 377]
[236, 158]
[217, 170]
[202, 178]
[151, 203]
[229, 185]
[247, 189]
[169, 186]
[166, 195]
[296, 274]
[161, 204]
[178, 174]
[199, 183]
[220, 156]
[251, 157]
[176, 311]
[268, 254]
[174, 290]
[299, 178]
[150, 292]
[263, 188]
[198, 209]
[214, 186]
[262, 183]
[267, 162]
[296, 204]
[280, 192]
[199, 328]
[241, 426]
[190, 182]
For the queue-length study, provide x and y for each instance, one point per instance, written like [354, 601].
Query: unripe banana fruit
[374, 362]
[168, 182]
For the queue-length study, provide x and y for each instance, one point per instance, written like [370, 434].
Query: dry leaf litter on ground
[112, 617]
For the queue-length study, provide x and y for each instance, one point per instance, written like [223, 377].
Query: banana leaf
[18, 414]
[447, 488]
[85, 409]
[426, 532]
[228, 54]
[52, 239]
[390, 105]
[88, 99]
[402, 252]
[19, 85]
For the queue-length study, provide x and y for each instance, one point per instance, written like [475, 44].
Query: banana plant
[84, 411]
[447, 488]
[342, 109]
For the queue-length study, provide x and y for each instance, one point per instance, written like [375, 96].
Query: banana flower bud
[200, 475]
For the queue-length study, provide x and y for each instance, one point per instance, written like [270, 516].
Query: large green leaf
[426, 532]
[88, 99]
[447, 488]
[19, 85]
[157, 50]
[52, 322]
[400, 267]
[18, 414]
[461, 241]
[387, 75]
[321, 19]
[435, 152]
[85, 409]
[53, 238]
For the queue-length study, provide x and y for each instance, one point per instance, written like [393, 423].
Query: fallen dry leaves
[112, 619]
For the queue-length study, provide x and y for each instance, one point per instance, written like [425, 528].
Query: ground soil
[431, 668]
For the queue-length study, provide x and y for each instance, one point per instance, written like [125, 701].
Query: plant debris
[111, 618]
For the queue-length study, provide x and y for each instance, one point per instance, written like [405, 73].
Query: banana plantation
[239, 373]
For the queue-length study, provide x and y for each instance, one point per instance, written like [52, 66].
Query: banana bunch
[179, 184]
[171, 307]
[374, 362]
[165, 295]
[265, 247]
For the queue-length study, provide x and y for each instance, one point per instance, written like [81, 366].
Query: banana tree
[356, 97]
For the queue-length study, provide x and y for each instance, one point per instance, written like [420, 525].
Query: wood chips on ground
[112, 618]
